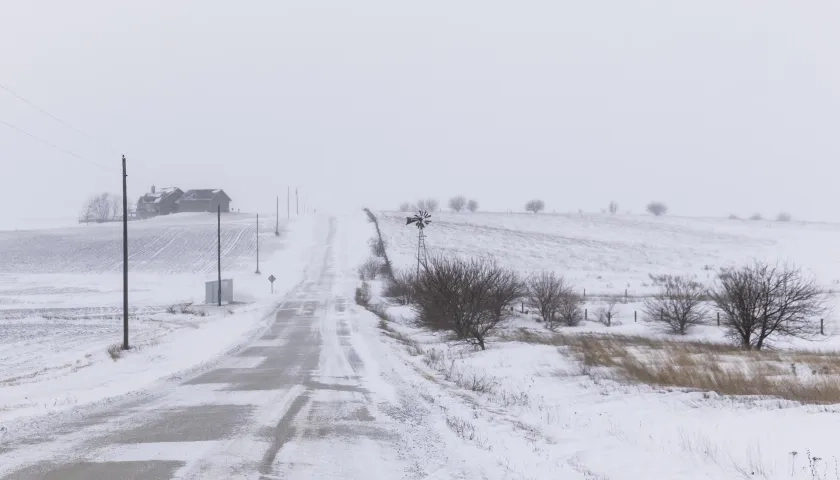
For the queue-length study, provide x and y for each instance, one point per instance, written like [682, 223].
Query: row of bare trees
[457, 203]
[756, 302]
[471, 297]
[104, 207]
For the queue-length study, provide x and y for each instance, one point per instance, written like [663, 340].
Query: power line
[48, 143]
[36, 107]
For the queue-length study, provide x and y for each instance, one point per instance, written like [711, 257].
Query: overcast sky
[714, 107]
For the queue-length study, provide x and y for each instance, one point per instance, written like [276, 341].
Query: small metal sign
[271, 278]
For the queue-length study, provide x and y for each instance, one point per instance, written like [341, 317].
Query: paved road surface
[303, 401]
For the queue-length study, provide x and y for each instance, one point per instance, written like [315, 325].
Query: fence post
[522, 306]
[634, 316]
[584, 293]
[718, 318]
[586, 314]
[625, 294]
[822, 331]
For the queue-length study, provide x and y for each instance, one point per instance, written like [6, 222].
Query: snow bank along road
[305, 400]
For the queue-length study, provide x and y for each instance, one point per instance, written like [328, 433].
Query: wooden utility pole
[277, 226]
[219, 251]
[125, 256]
[258, 244]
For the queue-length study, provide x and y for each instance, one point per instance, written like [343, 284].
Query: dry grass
[115, 351]
[806, 377]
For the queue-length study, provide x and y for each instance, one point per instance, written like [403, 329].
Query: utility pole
[297, 202]
[277, 227]
[258, 244]
[219, 250]
[125, 256]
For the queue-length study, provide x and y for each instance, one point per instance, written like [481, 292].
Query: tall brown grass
[801, 376]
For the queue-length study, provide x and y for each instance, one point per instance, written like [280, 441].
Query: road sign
[271, 279]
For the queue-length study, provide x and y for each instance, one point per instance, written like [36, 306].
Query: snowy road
[305, 400]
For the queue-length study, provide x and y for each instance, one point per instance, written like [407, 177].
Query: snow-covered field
[61, 303]
[533, 410]
[607, 254]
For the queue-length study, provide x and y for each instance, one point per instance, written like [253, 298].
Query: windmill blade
[409, 220]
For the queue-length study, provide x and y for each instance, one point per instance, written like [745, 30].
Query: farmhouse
[174, 200]
[203, 201]
[158, 202]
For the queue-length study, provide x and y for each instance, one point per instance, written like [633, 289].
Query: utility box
[211, 291]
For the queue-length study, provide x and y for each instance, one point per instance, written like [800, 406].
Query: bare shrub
[472, 206]
[459, 296]
[760, 301]
[363, 295]
[732, 216]
[756, 217]
[535, 206]
[569, 312]
[115, 351]
[612, 208]
[507, 289]
[406, 207]
[607, 314]
[401, 287]
[378, 247]
[783, 217]
[546, 291]
[679, 304]
[657, 208]
[370, 269]
[432, 205]
[457, 203]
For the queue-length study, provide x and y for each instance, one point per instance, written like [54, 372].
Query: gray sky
[713, 107]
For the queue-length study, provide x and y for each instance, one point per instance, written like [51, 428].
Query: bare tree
[657, 208]
[102, 208]
[472, 206]
[613, 208]
[783, 217]
[760, 301]
[421, 205]
[508, 288]
[756, 217]
[457, 203]
[432, 205]
[406, 207]
[732, 216]
[679, 303]
[568, 312]
[545, 294]
[461, 296]
[535, 206]
[608, 313]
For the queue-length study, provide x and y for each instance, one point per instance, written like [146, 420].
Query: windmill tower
[420, 220]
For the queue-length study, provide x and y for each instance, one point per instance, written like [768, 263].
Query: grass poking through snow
[806, 377]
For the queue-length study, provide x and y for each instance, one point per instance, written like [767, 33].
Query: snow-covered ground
[541, 414]
[61, 297]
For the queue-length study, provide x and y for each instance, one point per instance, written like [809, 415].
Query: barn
[203, 200]
[158, 202]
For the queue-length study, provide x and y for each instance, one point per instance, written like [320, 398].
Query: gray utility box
[211, 291]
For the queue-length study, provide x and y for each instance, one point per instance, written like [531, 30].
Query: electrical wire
[50, 144]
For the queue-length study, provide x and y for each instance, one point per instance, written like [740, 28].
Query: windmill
[421, 220]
